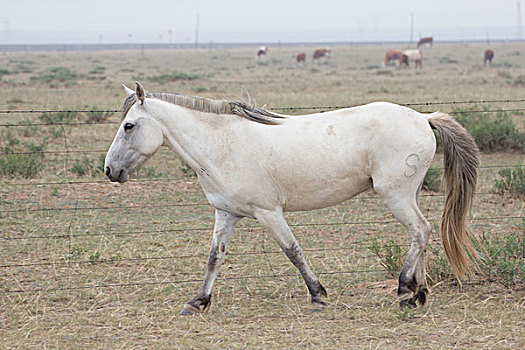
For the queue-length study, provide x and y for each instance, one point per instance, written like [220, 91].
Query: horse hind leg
[412, 280]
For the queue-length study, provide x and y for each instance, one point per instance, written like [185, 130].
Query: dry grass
[117, 277]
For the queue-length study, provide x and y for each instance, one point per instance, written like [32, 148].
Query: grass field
[85, 263]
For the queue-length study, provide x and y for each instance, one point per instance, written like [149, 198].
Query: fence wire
[69, 235]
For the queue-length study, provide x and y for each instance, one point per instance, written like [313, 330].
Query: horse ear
[139, 92]
[127, 90]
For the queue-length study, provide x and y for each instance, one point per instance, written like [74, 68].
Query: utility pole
[519, 21]
[411, 27]
[197, 32]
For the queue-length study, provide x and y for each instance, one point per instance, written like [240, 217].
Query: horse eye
[128, 126]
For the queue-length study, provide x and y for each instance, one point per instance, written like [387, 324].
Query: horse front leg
[274, 222]
[222, 235]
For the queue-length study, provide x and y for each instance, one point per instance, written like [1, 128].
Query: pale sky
[262, 21]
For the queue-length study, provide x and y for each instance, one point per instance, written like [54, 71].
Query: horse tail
[461, 163]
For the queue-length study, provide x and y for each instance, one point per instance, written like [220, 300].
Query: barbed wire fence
[76, 209]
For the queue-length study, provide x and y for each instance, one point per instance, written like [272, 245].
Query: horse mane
[208, 105]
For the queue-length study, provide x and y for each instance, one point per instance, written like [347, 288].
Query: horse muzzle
[116, 176]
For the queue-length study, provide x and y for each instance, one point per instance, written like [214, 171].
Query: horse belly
[323, 193]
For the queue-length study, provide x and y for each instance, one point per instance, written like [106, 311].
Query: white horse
[258, 164]
[414, 55]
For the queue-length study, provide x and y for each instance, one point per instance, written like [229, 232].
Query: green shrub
[58, 117]
[21, 159]
[384, 72]
[101, 162]
[504, 258]
[150, 172]
[432, 181]
[171, 77]
[519, 81]
[491, 131]
[504, 74]
[82, 167]
[56, 75]
[511, 181]
[96, 116]
[3, 72]
[447, 60]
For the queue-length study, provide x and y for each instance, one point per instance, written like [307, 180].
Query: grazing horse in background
[414, 55]
[262, 51]
[301, 58]
[488, 56]
[392, 55]
[427, 40]
[319, 53]
[253, 163]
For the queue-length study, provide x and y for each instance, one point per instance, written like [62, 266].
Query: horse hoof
[189, 310]
[316, 310]
[318, 307]
[407, 303]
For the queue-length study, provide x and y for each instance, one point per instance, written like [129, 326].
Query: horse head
[138, 137]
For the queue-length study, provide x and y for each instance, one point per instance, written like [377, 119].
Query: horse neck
[186, 131]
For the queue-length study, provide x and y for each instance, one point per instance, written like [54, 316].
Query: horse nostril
[108, 171]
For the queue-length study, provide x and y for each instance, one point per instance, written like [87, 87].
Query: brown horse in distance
[489, 54]
[319, 53]
[426, 40]
[392, 55]
[301, 58]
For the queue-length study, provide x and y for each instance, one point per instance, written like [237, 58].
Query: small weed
[391, 255]
[511, 181]
[186, 170]
[438, 267]
[54, 191]
[94, 257]
[385, 72]
[199, 89]
[405, 314]
[75, 252]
